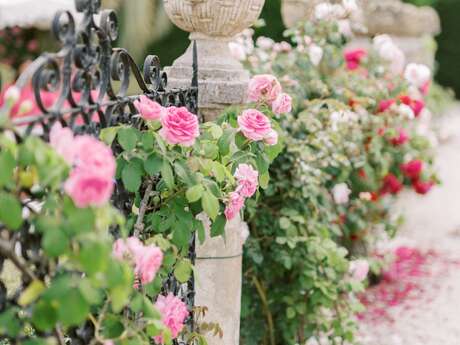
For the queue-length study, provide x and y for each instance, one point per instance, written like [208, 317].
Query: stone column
[411, 27]
[222, 82]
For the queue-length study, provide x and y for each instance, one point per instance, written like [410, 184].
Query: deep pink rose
[264, 88]
[353, 58]
[422, 187]
[248, 180]
[271, 138]
[282, 104]
[234, 205]
[179, 126]
[391, 185]
[94, 156]
[359, 269]
[62, 141]
[173, 314]
[385, 104]
[401, 138]
[415, 104]
[88, 189]
[148, 263]
[412, 169]
[149, 110]
[254, 125]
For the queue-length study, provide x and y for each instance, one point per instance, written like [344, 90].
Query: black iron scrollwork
[91, 85]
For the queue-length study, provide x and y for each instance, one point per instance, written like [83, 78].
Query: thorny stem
[268, 315]
[139, 226]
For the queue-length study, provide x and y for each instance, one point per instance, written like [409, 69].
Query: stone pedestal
[222, 82]
[411, 27]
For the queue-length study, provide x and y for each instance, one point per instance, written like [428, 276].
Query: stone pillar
[411, 27]
[222, 82]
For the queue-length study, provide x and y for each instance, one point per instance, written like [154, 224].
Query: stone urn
[212, 24]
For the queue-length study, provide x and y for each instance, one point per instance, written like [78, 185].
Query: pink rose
[391, 185]
[412, 169]
[248, 180]
[264, 87]
[385, 104]
[422, 187]
[93, 155]
[359, 269]
[149, 110]
[282, 104]
[353, 58]
[88, 189]
[148, 263]
[179, 126]
[416, 105]
[254, 125]
[173, 314]
[234, 205]
[272, 138]
[401, 138]
[128, 249]
[62, 141]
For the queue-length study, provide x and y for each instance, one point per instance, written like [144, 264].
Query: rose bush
[358, 134]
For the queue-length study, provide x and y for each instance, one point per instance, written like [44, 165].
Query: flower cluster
[173, 314]
[145, 259]
[91, 181]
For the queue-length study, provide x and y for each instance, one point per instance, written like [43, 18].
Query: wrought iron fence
[90, 81]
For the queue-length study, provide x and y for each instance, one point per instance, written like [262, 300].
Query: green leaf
[183, 270]
[167, 174]
[112, 326]
[7, 164]
[225, 141]
[264, 180]
[218, 227]
[153, 164]
[31, 293]
[181, 234]
[127, 137]
[55, 242]
[131, 177]
[210, 204]
[184, 173]
[194, 193]
[108, 135]
[73, 308]
[219, 171]
[147, 140]
[94, 257]
[44, 316]
[216, 131]
[10, 211]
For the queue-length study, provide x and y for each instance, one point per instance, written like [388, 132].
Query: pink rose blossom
[86, 188]
[173, 314]
[254, 125]
[149, 110]
[93, 155]
[264, 87]
[282, 104]
[148, 263]
[353, 58]
[416, 105]
[235, 203]
[385, 104]
[412, 169]
[179, 126]
[128, 249]
[271, 138]
[359, 269]
[422, 187]
[401, 138]
[391, 185]
[62, 141]
[248, 180]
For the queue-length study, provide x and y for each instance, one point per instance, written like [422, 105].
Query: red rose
[412, 169]
[422, 187]
[391, 185]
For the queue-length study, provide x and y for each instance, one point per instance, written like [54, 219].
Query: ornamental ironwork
[94, 86]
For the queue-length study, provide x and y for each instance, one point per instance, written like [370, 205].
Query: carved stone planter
[213, 23]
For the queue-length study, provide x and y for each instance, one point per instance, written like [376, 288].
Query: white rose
[417, 74]
[390, 52]
[237, 51]
[265, 42]
[406, 111]
[315, 53]
[341, 193]
[323, 11]
[345, 27]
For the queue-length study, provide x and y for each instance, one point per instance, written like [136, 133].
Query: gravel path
[432, 223]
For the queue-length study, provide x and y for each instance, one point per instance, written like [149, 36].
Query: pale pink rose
[264, 87]
[234, 205]
[359, 269]
[248, 180]
[271, 138]
[417, 75]
[62, 141]
[173, 314]
[341, 193]
[390, 53]
[86, 188]
[128, 249]
[254, 125]
[148, 263]
[179, 126]
[94, 156]
[282, 104]
[149, 110]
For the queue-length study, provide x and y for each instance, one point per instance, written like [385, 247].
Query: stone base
[222, 80]
[218, 280]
